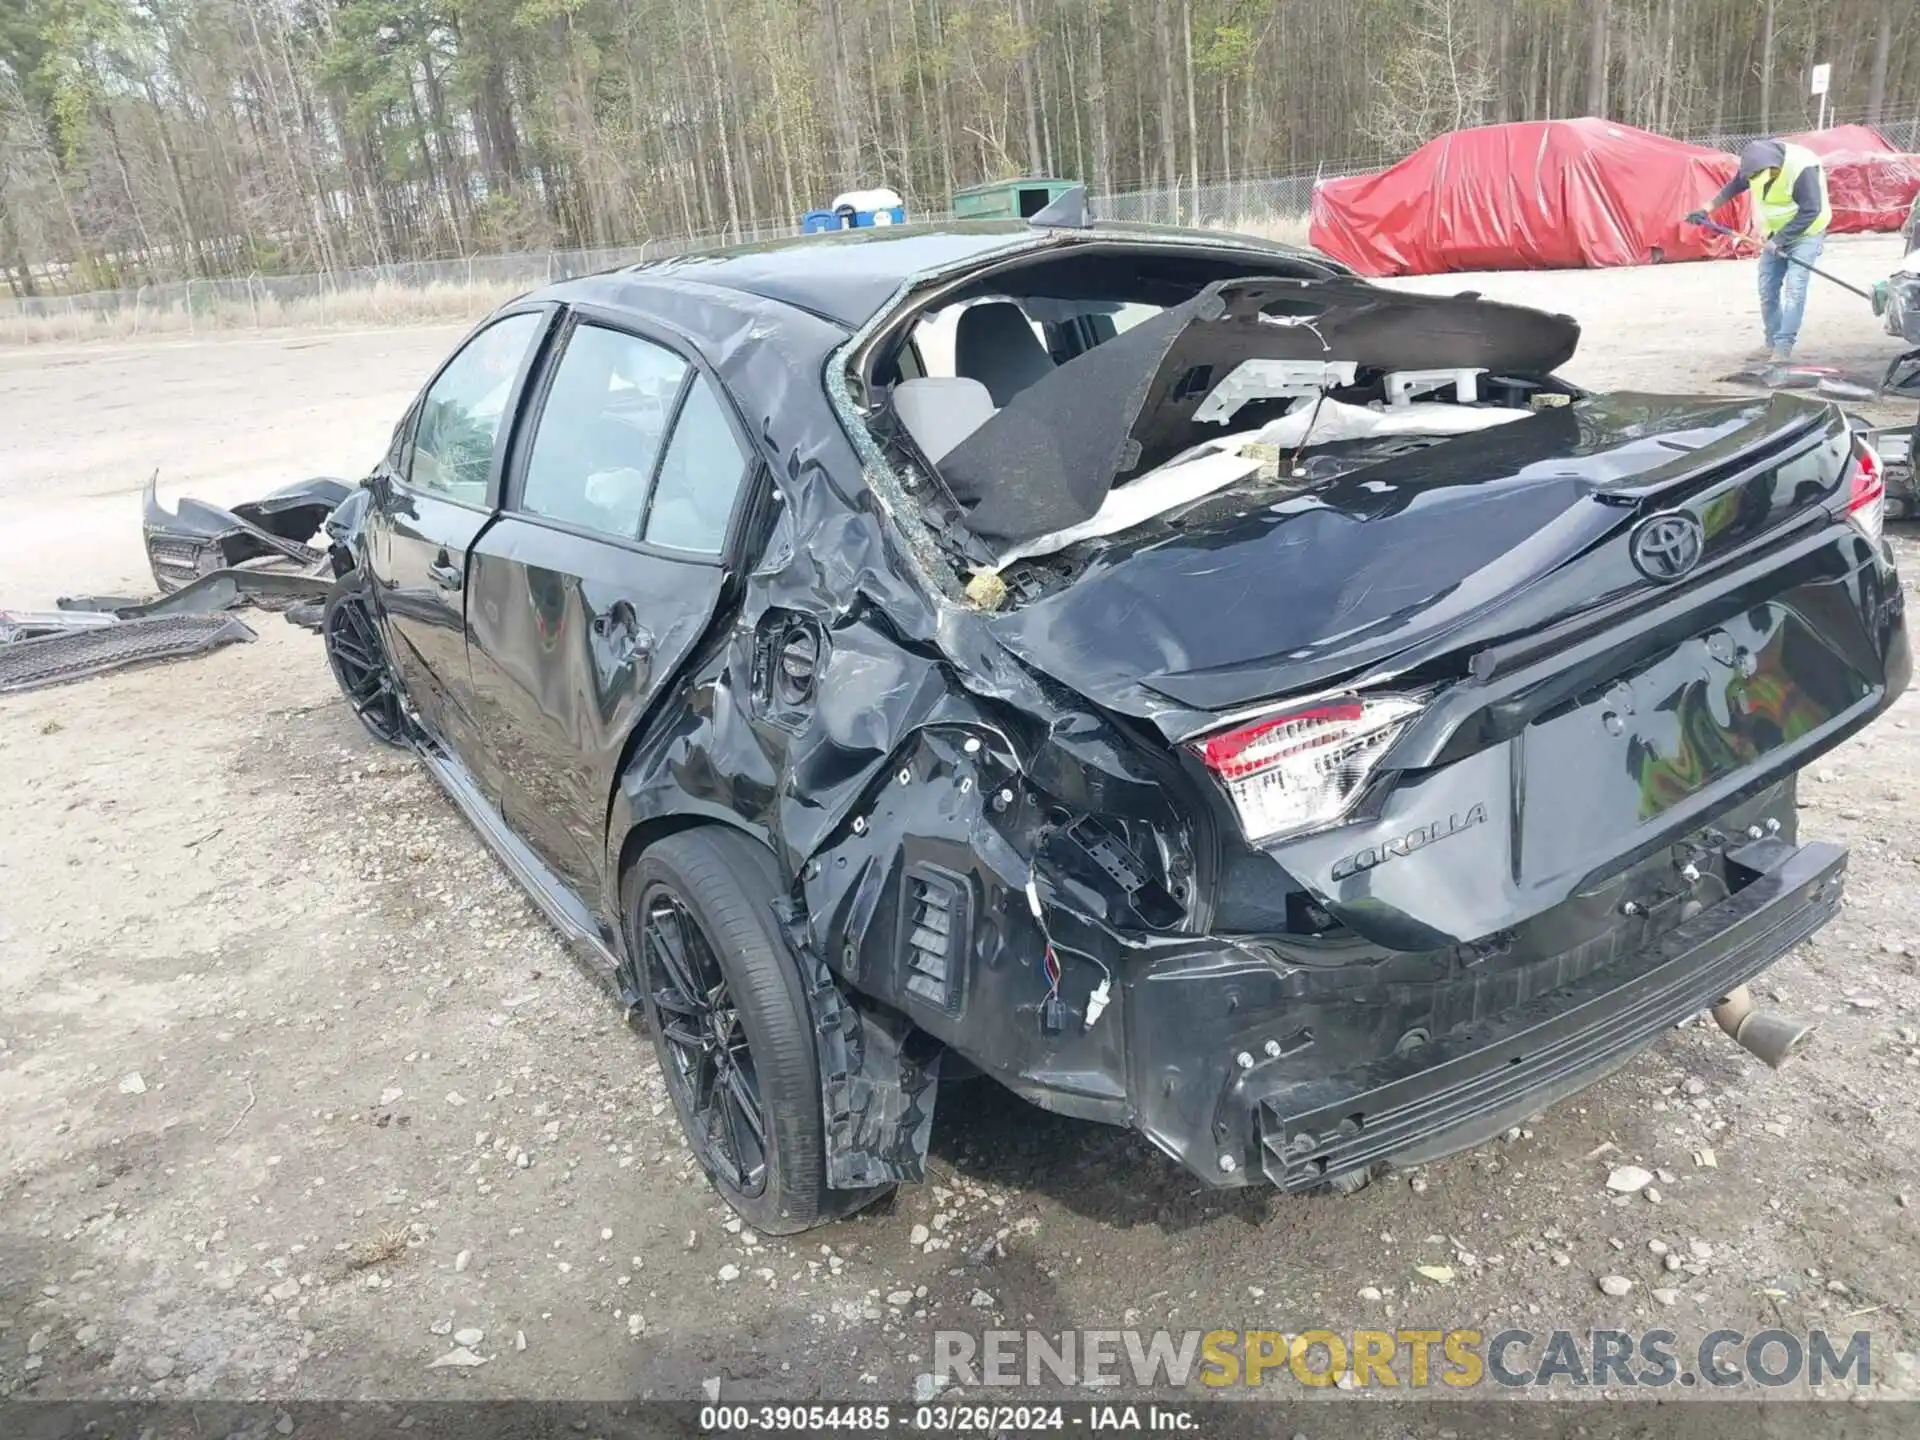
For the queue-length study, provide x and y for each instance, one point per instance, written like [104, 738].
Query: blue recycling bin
[861, 209]
[856, 210]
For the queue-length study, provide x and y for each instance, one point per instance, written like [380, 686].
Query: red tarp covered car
[1870, 183]
[1540, 195]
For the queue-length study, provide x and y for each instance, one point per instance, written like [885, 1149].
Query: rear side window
[459, 424]
[699, 477]
[605, 415]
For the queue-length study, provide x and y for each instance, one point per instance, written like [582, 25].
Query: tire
[358, 658]
[723, 885]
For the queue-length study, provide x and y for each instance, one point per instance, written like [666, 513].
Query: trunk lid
[1475, 540]
[1522, 807]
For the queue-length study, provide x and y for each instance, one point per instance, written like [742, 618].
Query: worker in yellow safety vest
[1789, 187]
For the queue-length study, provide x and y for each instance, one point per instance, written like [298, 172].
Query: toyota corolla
[1189, 686]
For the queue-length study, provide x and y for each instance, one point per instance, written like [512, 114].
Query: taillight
[1302, 768]
[1867, 490]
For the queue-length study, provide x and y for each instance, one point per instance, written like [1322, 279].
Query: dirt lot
[296, 1087]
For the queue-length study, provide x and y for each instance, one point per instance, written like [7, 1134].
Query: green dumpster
[1008, 199]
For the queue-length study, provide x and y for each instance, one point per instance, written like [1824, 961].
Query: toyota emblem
[1666, 546]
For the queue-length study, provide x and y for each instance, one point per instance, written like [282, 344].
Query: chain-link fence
[1902, 135]
[1272, 205]
[374, 294]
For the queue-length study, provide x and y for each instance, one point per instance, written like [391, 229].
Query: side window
[458, 427]
[600, 431]
[699, 478]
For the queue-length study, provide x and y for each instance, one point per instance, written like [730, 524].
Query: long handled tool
[1791, 259]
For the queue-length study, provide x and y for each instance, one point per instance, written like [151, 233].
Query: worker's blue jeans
[1783, 289]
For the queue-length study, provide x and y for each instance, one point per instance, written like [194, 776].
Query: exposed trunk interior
[1053, 399]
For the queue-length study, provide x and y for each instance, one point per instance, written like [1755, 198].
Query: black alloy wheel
[705, 1052]
[359, 660]
[707, 961]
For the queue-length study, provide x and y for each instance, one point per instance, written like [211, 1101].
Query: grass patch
[382, 1249]
[378, 304]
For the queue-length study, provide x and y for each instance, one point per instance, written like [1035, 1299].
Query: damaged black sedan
[1199, 690]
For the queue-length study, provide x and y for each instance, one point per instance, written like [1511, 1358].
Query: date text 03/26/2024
[956, 1418]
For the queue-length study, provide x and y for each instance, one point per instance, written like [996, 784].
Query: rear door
[432, 496]
[600, 576]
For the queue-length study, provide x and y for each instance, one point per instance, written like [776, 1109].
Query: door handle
[444, 573]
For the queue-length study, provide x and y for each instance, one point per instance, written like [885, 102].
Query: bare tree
[1597, 56]
[157, 139]
[1882, 54]
[1766, 66]
[1434, 80]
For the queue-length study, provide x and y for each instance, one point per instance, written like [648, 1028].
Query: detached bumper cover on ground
[206, 561]
[198, 539]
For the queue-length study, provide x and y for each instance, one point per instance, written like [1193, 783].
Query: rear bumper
[1250, 1059]
[1464, 1087]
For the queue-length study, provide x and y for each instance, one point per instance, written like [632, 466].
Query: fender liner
[879, 1080]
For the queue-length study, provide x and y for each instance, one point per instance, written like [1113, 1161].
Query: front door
[599, 578]
[430, 504]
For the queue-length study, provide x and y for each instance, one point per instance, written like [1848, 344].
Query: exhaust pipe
[1772, 1035]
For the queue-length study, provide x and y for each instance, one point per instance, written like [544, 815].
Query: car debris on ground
[268, 536]
[53, 659]
[1825, 381]
[206, 562]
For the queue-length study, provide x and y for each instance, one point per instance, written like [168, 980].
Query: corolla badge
[1417, 838]
[1666, 546]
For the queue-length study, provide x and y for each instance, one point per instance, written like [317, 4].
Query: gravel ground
[298, 1090]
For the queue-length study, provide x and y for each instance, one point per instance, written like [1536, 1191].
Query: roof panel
[848, 276]
[845, 275]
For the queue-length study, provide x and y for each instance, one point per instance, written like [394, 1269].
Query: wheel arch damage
[893, 779]
[825, 721]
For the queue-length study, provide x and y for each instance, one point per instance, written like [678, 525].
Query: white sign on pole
[1822, 76]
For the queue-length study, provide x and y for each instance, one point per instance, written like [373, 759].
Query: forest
[153, 140]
